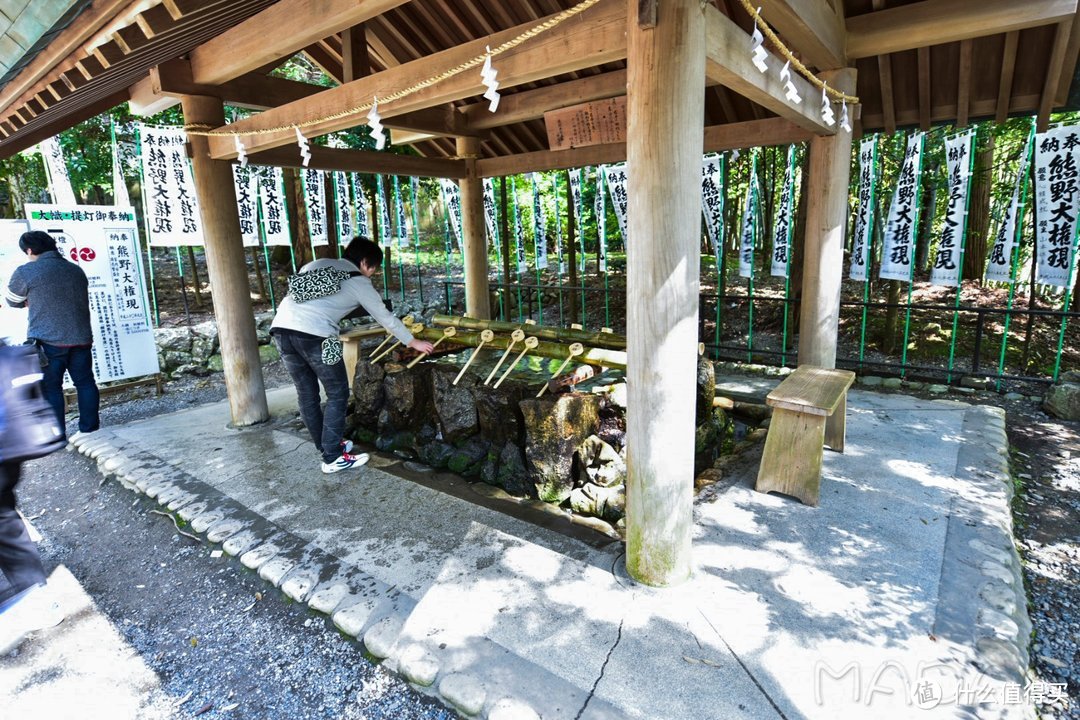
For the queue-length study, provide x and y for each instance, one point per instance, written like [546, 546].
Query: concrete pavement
[900, 596]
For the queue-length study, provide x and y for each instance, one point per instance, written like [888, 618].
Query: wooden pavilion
[683, 68]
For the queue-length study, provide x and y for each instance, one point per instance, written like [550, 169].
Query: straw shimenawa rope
[553, 21]
[802, 69]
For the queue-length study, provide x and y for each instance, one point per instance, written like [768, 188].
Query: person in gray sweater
[306, 335]
[56, 293]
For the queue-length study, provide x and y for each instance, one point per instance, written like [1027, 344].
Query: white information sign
[104, 242]
[12, 320]
[1057, 190]
[172, 210]
[947, 262]
[898, 247]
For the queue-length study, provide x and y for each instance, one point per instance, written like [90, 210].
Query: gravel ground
[1046, 468]
[212, 630]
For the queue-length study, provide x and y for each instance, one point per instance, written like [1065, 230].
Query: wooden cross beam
[811, 28]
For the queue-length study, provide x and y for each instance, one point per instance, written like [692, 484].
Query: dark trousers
[20, 566]
[79, 363]
[302, 355]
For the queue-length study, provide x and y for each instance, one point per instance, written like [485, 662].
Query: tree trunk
[196, 283]
[926, 220]
[979, 213]
[294, 203]
[892, 317]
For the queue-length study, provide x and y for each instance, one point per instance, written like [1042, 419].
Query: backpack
[317, 283]
[30, 428]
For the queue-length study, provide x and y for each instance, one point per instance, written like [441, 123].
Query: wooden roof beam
[532, 104]
[355, 62]
[963, 89]
[979, 109]
[809, 27]
[260, 40]
[29, 138]
[442, 120]
[727, 62]
[327, 61]
[1053, 74]
[933, 22]
[924, 88]
[363, 161]
[1005, 81]
[171, 80]
[731, 136]
[596, 36]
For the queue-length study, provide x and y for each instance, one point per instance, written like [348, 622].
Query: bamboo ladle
[515, 337]
[405, 321]
[485, 337]
[530, 344]
[446, 333]
[415, 329]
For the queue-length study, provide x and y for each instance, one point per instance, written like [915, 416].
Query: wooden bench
[809, 409]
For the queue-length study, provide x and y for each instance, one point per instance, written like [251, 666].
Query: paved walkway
[899, 592]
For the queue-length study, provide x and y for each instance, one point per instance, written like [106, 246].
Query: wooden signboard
[594, 123]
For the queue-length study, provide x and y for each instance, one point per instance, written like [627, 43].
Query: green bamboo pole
[870, 222]
[1018, 234]
[447, 249]
[558, 244]
[911, 270]
[963, 244]
[1065, 308]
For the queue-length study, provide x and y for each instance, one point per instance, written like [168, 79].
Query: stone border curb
[982, 604]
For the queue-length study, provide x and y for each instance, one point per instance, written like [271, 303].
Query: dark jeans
[20, 566]
[79, 363]
[302, 355]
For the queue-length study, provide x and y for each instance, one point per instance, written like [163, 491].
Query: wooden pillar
[225, 264]
[826, 213]
[666, 68]
[477, 297]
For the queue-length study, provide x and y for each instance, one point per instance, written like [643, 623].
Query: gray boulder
[555, 427]
[1063, 400]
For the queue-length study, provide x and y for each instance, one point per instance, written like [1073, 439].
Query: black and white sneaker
[345, 462]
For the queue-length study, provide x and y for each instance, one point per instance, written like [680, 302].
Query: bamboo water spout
[587, 338]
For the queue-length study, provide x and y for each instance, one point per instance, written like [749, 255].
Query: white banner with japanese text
[401, 225]
[363, 224]
[782, 226]
[59, 180]
[519, 233]
[898, 246]
[342, 208]
[748, 226]
[451, 195]
[171, 207]
[864, 218]
[601, 220]
[539, 224]
[275, 215]
[712, 200]
[949, 258]
[1057, 190]
[489, 213]
[314, 183]
[247, 192]
[999, 263]
[615, 177]
[575, 193]
[103, 240]
[383, 212]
